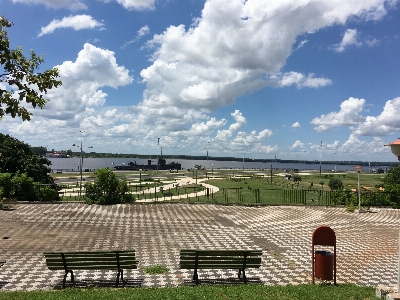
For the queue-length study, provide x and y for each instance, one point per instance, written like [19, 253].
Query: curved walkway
[181, 181]
[367, 244]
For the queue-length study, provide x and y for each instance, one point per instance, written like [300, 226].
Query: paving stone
[367, 244]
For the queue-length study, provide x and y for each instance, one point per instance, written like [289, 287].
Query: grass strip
[237, 292]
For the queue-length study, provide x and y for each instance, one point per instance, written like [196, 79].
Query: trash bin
[324, 265]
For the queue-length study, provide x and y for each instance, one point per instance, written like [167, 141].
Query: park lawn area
[238, 292]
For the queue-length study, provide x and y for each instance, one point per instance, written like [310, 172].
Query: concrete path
[181, 181]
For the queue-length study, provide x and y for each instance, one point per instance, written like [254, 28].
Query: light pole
[395, 148]
[80, 166]
[207, 152]
[158, 145]
[358, 169]
[243, 160]
[320, 160]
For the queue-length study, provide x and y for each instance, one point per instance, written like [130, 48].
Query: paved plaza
[367, 243]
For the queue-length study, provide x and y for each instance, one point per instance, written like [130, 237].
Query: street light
[358, 169]
[395, 147]
[80, 166]
[207, 152]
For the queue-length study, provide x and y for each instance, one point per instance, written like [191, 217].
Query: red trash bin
[324, 262]
[324, 265]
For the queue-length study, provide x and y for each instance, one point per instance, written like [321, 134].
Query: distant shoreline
[238, 159]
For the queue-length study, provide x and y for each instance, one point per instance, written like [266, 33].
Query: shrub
[335, 184]
[22, 187]
[296, 178]
[107, 189]
[47, 193]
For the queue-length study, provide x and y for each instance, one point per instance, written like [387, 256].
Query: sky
[291, 79]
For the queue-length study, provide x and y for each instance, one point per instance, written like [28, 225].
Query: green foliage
[22, 187]
[391, 184]
[335, 184]
[47, 193]
[17, 156]
[241, 291]
[18, 72]
[107, 189]
[296, 178]
[156, 269]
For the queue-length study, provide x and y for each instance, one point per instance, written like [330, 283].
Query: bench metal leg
[120, 273]
[65, 277]
[196, 277]
[244, 275]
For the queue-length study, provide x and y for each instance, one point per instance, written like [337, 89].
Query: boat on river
[161, 165]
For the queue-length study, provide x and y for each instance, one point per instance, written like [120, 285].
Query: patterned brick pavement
[367, 244]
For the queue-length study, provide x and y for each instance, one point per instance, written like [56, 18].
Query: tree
[107, 189]
[20, 77]
[391, 184]
[17, 156]
[335, 184]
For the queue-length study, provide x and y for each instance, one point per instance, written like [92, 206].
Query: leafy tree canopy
[19, 77]
[107, 189]
[17, 156]
[391, 182]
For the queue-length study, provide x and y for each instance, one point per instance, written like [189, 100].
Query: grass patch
[248, 292]
[156, 269]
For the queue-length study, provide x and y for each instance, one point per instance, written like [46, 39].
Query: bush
[296, 178]
[22, 187]
[107, 189]
[47, 193]
[335, 184]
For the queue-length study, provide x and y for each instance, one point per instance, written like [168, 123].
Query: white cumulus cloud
[350, 37]
[348, 115]
[72, 5]
[77, 22]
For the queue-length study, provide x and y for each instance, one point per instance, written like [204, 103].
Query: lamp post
[243, 160]
[207, 152]
[80, 166]
[358, 169]
[395, 148]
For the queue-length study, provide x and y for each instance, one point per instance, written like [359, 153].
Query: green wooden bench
[99, 260]
[220, 259]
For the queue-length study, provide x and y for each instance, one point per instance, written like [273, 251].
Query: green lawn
[245, 292]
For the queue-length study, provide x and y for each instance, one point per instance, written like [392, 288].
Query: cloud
[238, 47]
[68, 4]
[348, 115]
[77, 22]
[137, 4]
[350, 37]
[388, 122]
[295, 125]
[94, 68]
[141, 32]
[297, 146]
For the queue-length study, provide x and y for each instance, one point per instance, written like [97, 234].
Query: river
[72, 164]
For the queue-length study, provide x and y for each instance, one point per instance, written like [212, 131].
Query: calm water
[96, 163]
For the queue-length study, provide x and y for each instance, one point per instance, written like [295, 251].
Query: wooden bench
[220, 259]
[99, 260]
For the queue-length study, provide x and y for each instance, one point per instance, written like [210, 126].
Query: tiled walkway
[367, 244]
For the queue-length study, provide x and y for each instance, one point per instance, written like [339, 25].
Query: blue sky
[255, 78]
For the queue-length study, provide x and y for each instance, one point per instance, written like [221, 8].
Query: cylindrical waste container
[324, 265]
